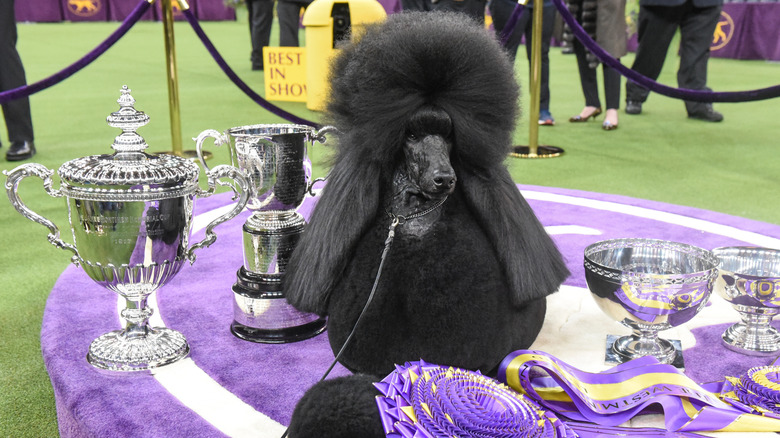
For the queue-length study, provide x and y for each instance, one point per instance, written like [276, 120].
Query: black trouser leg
[17, 116]
[261, 15]
[289, 14]
[696, 30]
[588, 80]
[611, 87]
[501, 10]
[548, 21]
[656, 28]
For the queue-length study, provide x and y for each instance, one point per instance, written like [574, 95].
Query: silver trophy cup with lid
[131, 215]
[274, 158]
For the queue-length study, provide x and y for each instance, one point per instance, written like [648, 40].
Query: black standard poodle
[426, 105]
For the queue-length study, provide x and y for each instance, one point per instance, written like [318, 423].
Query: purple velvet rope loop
[26, 90]
[236, 80]
[510, 25]
[677, 93]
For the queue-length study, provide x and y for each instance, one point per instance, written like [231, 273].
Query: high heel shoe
[578, 118]
[607, 126]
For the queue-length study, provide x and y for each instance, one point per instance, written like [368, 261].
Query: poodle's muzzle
[428, 165]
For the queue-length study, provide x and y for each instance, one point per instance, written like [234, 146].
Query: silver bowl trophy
[749, 279]
[131, 215]
[648, 285]
[274, 158]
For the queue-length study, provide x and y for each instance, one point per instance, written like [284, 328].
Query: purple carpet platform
[231, 387]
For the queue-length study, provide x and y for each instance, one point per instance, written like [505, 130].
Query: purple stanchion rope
[678, 93]
[26, 90]
[510, 25]
[236, 80]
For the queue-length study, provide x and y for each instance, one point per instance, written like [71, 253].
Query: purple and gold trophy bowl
[130, 216]
[649, 286]
[749, 279]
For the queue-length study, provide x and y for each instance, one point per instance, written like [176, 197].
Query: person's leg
[17, 116]
[548, 17]
[289, 14]
[588, 79]
[548, 22]
[612, 97]
[501, 11]
[261, 15]
[656, 28]
[696, 30]
[611, 87]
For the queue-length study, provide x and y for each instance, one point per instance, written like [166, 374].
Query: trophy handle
[240, 186]
[219, 139]
[15, 176]
[319, 137]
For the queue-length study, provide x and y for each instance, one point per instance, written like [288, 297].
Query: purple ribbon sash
[615, 396]
[422, 400]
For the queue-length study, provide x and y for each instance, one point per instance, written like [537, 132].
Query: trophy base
[752, 340]
[619, 350]
[278, 336]
[262, 314]
[118, 351]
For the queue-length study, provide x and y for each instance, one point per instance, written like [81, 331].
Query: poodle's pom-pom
[344, 407]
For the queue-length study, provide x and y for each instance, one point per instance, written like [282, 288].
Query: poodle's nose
[444, 181]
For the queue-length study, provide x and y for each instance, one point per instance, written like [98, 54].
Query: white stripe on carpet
[661, 216]
[195, 389]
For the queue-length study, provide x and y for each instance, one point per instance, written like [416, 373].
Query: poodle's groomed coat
[470, 289]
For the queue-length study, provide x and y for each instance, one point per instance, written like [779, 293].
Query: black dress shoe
[633, 107]
[707, 114]
[20, 150]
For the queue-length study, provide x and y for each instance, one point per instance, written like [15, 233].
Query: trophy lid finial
[129, 174]
[128, 119]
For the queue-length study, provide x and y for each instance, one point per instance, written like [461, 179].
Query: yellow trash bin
[327, 22]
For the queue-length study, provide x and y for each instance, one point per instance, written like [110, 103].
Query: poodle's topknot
[415, 59]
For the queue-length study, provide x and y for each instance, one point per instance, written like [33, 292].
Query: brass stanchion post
[533, 150]
[173, 80]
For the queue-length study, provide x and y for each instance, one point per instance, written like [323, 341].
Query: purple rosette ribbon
[640, 386]
[757, 390]
[422, 400]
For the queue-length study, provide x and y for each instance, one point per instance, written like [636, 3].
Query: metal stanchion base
[542, 151]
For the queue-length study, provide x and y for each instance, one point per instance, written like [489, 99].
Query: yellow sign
[285, 73]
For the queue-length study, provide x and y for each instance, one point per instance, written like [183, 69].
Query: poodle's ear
[346, 206]
[533, 266]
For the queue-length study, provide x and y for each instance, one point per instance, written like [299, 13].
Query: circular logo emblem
[176, 8]
[723, 31]
[84, 8]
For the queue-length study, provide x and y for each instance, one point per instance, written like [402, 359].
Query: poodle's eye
[411, 137]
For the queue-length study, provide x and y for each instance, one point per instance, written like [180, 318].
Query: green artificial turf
[731, 167]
